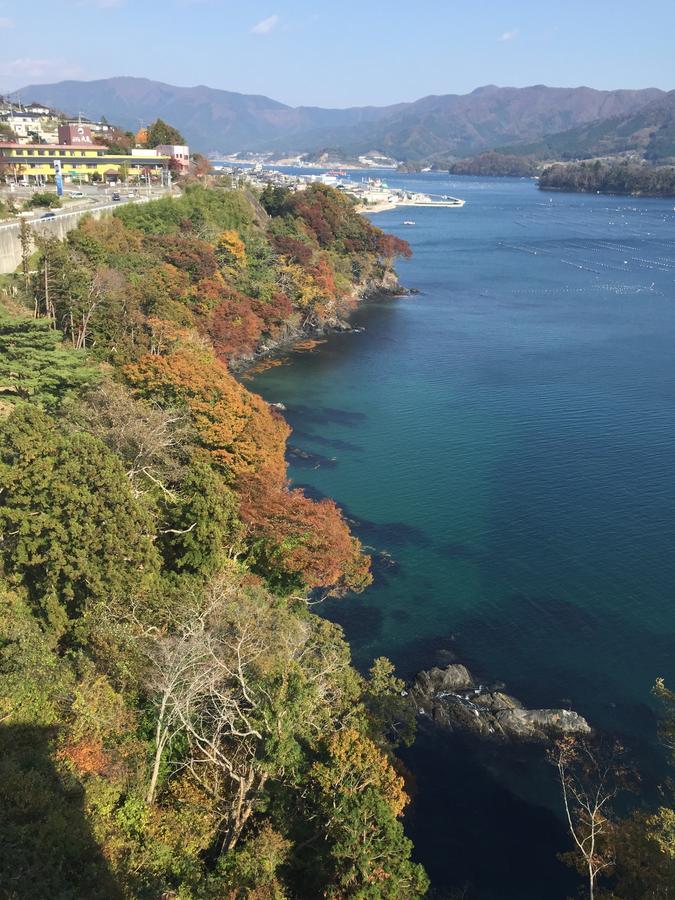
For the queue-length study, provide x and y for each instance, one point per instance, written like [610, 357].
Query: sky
[346, 53]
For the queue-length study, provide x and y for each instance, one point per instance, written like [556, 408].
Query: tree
[360, 798]
[391, 715]
[645, 842]
[70, 526]
[151, 441]
[26, 239]
[238, 429]
[299, 543]
[161, 133]
[225, 679]
[35, 366]
[202, 529]
[590, 779]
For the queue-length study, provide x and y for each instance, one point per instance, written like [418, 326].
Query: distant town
[372, 194]
[41, 146]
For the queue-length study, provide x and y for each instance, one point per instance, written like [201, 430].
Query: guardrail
[65, 213]
[61, 222]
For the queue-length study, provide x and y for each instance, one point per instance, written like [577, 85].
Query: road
[95, 197]
[62, 222]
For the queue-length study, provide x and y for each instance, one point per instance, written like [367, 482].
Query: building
[94, 127]
[34, 163]
[39, 109]
[75, 134]
[30, 125]
[179, 153]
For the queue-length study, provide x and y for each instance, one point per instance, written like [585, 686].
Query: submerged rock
[453, 699]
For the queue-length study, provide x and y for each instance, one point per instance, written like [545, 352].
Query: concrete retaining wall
[58, 227]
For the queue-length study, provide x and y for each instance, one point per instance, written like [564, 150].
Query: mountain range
[434, 128]
[649, 132]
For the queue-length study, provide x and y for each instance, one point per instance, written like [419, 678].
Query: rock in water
[452, 699]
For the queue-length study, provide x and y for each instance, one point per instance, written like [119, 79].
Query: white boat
[408, 222]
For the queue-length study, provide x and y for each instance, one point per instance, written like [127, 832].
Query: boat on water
[409, 222]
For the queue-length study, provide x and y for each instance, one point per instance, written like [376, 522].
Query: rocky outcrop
[452, 698]
[292, 333]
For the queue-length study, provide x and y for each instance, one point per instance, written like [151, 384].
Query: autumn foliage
[240, 432]
[181, 290]
[176, 721]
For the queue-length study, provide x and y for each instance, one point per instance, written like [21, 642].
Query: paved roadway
[94, 198]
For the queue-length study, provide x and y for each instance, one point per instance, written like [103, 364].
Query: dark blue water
[507, 436]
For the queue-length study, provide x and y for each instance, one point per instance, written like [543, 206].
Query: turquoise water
[507, 437]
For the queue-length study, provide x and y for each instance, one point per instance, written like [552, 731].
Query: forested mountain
[437, 127]
[174, 720]
[433, 127]
[649, 133]
[212, 120]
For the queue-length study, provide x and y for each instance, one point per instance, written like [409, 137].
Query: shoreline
[244, 367]
[385, 206]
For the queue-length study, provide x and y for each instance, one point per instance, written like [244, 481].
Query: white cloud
[266, 25]
[16, 72]
[508, 36]
[6, 22]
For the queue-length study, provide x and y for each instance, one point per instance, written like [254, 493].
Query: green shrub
[43, 198]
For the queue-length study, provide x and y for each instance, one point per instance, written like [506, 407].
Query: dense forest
[175, 721]
[494, 163]
[610, 178]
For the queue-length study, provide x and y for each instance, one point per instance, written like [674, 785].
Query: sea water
[504, 441]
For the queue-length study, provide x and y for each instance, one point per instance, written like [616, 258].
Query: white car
[76, 195]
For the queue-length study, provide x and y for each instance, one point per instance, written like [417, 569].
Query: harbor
[372, 195]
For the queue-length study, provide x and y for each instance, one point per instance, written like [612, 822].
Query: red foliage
[186, 252]
[275, 312]
[389, 246]
[294, 250]
[312, 539]
[233, 326]
[323, 275]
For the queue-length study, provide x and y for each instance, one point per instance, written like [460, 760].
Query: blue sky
[341, 53]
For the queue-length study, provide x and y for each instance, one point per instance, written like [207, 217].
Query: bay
[504, 442]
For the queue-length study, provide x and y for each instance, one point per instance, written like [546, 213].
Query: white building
[180, 153]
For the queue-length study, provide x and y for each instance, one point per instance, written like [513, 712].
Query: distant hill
[649, 132]
[212, 120]
[438, 127]
[434, 127]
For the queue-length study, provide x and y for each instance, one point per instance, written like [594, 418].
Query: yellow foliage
[356, 763]
[231, 252]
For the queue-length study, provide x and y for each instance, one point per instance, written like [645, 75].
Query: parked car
[48, 215]
[76, 194]
[116, 196]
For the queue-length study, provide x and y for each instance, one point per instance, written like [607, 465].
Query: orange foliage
[357, 763]
[86, 756]
[233, 327]
[312, 539]
[238, 429]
